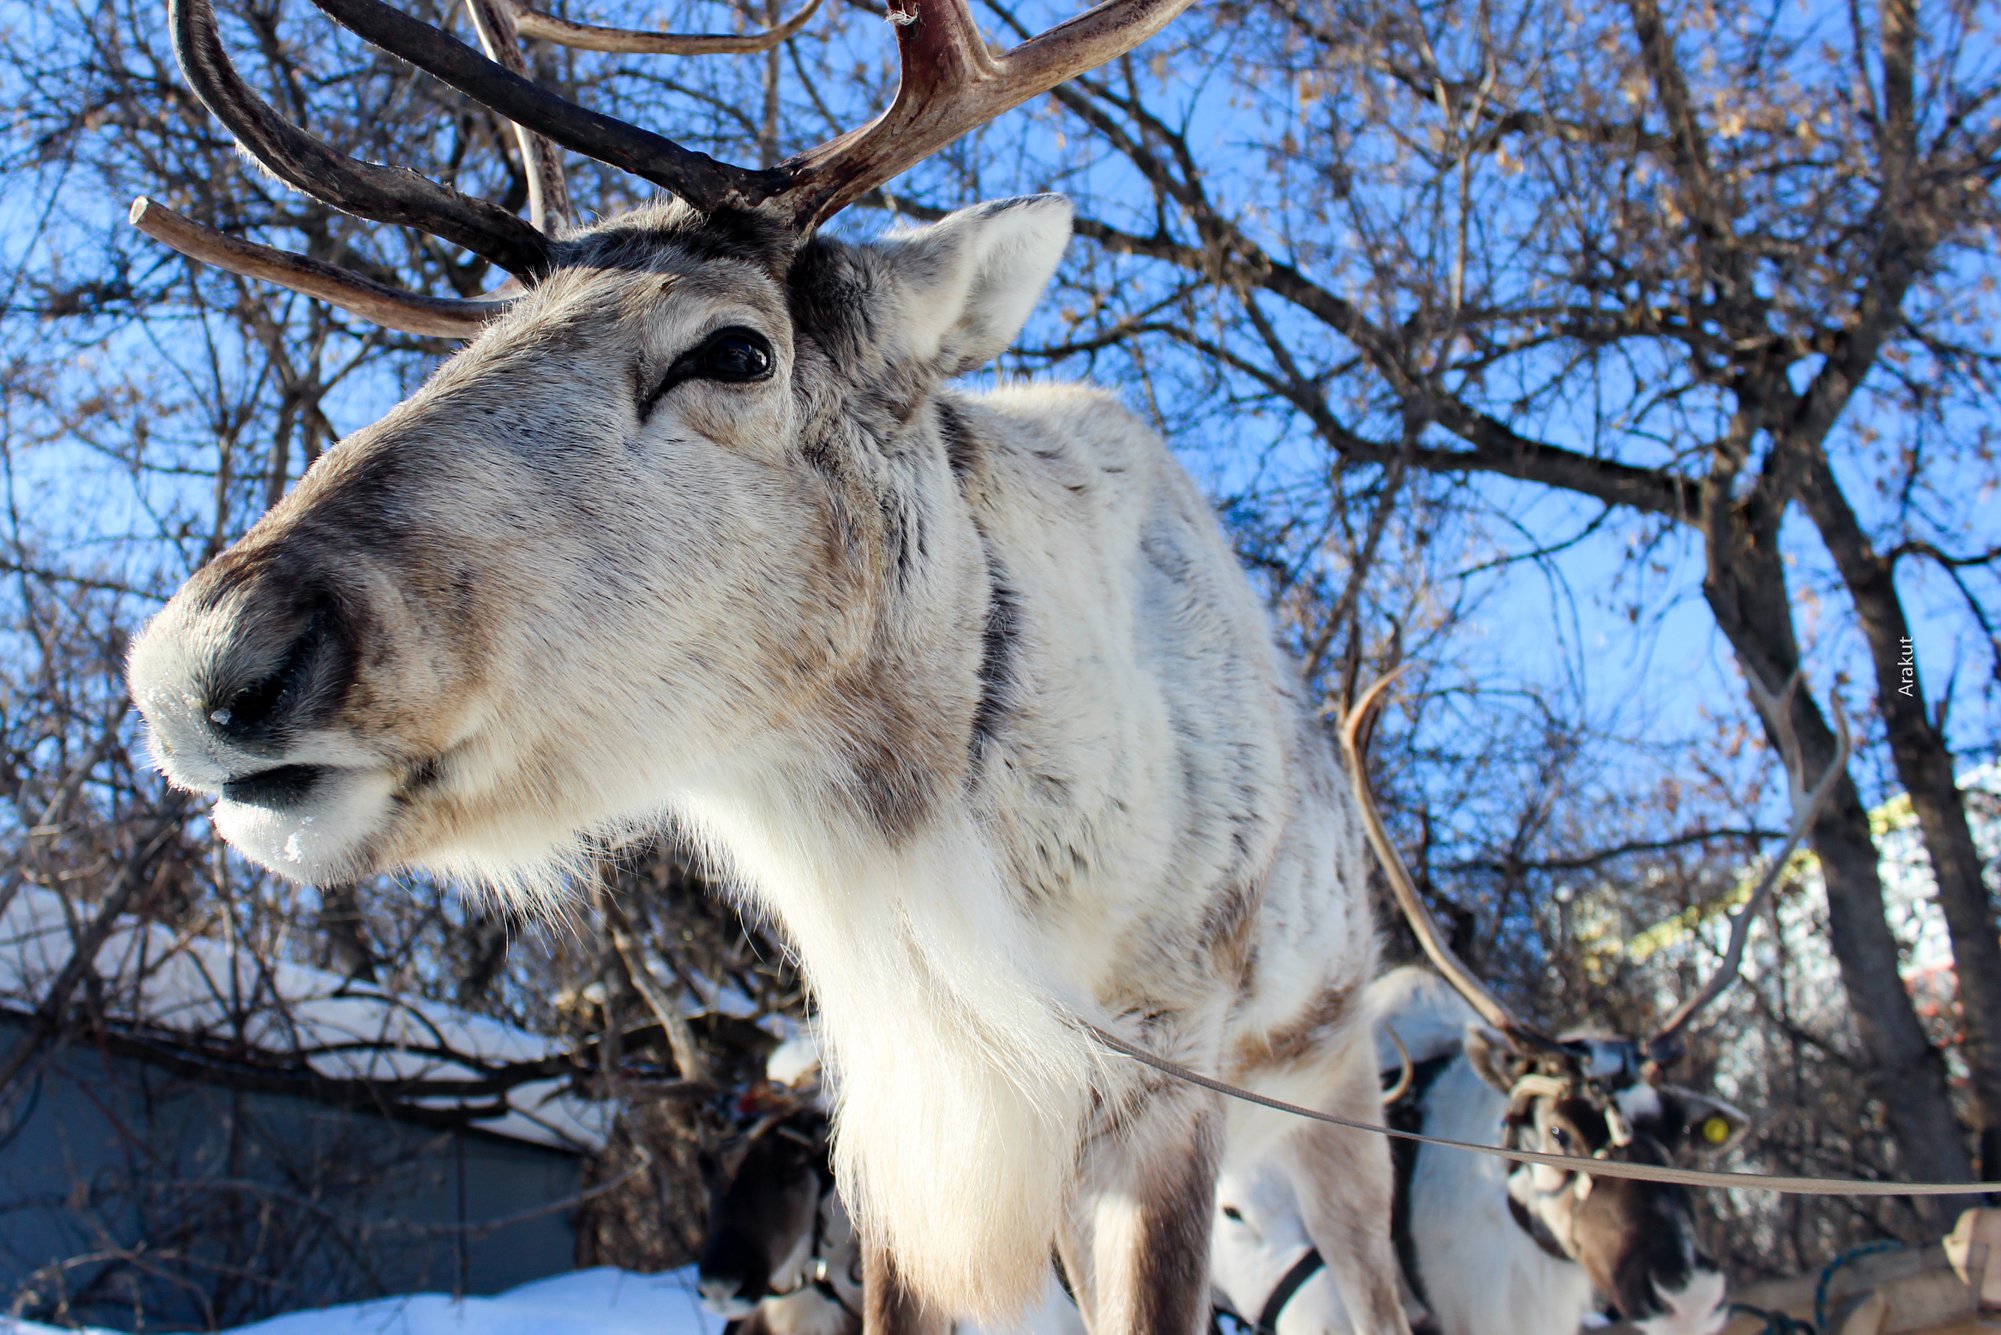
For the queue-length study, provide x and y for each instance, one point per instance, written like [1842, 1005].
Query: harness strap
[1302, 1270]
[1538, 1232]
[1407, 1114]
[1570, 1163]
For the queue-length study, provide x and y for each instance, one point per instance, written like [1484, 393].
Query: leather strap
[1305, 1268]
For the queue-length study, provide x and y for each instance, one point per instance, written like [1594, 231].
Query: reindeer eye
[734, 356]
[1560, 1138]
[1233, 1213]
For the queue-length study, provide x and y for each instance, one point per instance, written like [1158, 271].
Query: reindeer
[1267, 1274]
[965, 691]
[1497, 1249]
[781, 1257]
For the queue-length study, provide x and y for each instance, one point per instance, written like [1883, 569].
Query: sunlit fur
[964, 690]
[1479, 1272]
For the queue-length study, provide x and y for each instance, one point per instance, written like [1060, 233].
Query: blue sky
[1636, 641]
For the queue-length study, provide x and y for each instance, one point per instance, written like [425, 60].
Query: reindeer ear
[1493, 1054]
[1708, 1125]
[969, 280]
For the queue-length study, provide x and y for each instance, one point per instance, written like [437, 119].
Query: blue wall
[134, 1196]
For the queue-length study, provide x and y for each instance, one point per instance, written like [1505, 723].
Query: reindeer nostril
[250, 706]
[271, 698]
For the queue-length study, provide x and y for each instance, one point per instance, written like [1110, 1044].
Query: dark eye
[1232, 1212]
[1560, 1138]
[734, 356]
[731, 356]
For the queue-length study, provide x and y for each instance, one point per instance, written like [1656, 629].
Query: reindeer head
[1264, 1267]
[687, 494]
[1597, 1098]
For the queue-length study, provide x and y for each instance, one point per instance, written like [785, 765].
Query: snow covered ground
[586, 1302]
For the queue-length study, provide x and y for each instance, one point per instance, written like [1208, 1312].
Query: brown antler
[588, 37]
[949, 84]
[548, 192]
[1355, 733]
[364, 189]
[695, 177]
[1665, 1046]
[382, 194]
[390, 307]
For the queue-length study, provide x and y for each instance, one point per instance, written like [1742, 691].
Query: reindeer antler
[1665, 1046]
[949, 84]
[1355, 733]
[588, 37]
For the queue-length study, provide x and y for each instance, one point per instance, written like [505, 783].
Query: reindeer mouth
[277, 788]
[316, 823]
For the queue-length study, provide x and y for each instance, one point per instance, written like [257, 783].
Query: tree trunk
[1745, 587]
[1924, 767]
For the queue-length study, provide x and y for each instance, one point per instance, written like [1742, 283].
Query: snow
[206, 988]
[585, 1302]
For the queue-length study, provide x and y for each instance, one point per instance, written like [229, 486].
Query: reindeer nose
[248, 656]
[295, 685]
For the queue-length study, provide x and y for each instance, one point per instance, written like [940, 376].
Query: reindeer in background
[1491, 1248]
[781, 1257]
[965, 690]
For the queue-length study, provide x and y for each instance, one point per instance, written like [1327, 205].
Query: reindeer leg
[888, 1306]
[1344, 1184]
[1149, 1217]
[1073, 1253]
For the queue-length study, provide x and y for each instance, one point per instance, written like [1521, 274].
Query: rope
[1687, 1177]
[1828, 1271]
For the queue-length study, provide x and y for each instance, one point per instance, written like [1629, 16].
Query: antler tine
[382, 194]
[1664, 1046]
[390, 307]
[949, 84]
[695, 177]
[589, 37]
[1355, 734]
[548, 192]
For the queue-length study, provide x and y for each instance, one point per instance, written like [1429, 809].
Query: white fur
[690, 616]
[1699, 1309]
[344, 820]
[993, 263]
[1253, 1249]
[1480, 1274]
